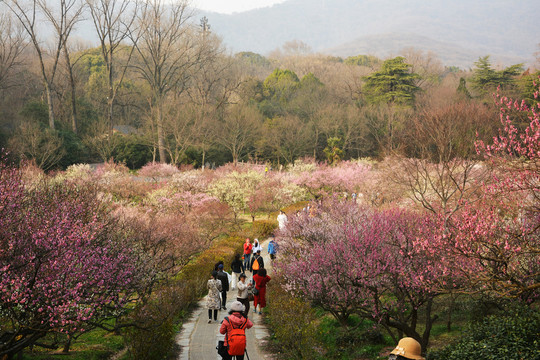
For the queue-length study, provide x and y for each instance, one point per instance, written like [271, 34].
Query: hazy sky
[230, 6]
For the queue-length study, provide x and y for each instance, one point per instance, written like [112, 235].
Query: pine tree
[485, 79]
[394, 83]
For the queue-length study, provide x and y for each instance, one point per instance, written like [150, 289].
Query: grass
[363, 339]
[95, 345]
[360, 340]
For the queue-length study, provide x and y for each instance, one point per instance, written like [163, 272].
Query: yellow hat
[408, 348]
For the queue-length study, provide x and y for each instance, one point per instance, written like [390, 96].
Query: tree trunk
[50, 104]
[450, 311]
[203, 156]
[73, 94]
[67, 345]
[160, 134]
[110, 98]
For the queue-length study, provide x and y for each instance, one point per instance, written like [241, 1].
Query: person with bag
[213, 301]
[234, 328]
[243, 293]
[257, 262]
[224, 278]
[261, 279]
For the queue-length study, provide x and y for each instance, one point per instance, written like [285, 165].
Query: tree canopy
[486, 79]
[394, 83]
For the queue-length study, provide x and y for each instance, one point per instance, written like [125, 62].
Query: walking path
[198, 339]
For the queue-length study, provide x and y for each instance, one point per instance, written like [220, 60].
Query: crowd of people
[248, 277]
[254, 289]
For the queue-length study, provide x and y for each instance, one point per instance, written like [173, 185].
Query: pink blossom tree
[63, 266]
[354, 260]
[324, 180]
[495, 242]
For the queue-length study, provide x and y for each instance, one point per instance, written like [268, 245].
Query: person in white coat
[256, 246]
[282, 220]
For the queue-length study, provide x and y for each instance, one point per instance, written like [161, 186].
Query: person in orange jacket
[232, 326]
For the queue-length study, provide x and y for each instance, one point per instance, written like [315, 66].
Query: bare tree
[441, 168]
[73, 94]
[179, 125]
[238, 130]
[63, 15]
[43, 146]
[101, 140]
[213, 86]
[12, 45]
[58, 26]
[427, 65]
[114, 21]
[287, 137]
[169, 49]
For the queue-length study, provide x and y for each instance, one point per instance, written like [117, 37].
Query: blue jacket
[272, 248]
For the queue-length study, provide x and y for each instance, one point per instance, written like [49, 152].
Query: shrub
[132, 151]
[263, 228]
[153, 337]
[78, 172]
[512, 335]
[302, 165]
[292, 322]
[360, 339]
[198, 271]
[111, 169]
[74, 149]
[158, 170]
[194, 181]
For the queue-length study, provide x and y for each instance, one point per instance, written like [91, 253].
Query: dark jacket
[237, 266]
[259, 259]
[224, 278]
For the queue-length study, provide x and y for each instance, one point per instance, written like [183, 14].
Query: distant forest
[161, 87]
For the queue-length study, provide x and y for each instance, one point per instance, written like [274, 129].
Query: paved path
[198, 339]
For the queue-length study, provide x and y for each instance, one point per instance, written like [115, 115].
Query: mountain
[459, 31]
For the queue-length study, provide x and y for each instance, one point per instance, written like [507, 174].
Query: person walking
[282, 220]
[234, 328]
[237, 268]
[224, 278]
[261, 278]
[216, 266]
[213, 301]
[243, 293]
[247, 254]
[256, 246]
[272, 249]
[257, 262]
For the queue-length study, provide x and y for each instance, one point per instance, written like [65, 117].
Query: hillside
[458, 31]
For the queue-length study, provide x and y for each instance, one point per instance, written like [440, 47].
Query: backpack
[236, 339]
[255, 265]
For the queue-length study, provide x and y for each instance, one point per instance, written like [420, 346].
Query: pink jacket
[237, 319]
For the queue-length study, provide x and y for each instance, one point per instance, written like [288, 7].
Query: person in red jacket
[235, 321]
[261, 279]
[247, 254]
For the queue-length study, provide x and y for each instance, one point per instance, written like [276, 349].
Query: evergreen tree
[394, 83]
[279, 89]
[485, 79]
[462, 88]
